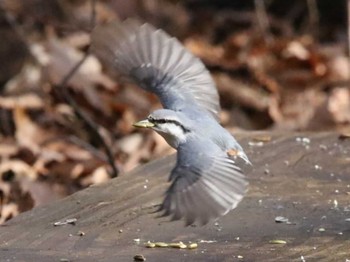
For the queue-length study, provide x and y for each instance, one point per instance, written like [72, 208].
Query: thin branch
[313, 17]
[63, 85]
[11, 20]
[263, 20]
[87, 120]
[93, 14]
[78, 142]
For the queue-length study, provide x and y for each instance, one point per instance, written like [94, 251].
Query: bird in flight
[206, 182]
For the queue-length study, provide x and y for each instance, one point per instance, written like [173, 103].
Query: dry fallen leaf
[28, 134]
[339, 105]
[25, 101]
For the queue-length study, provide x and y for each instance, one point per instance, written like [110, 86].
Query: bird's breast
[171, 140]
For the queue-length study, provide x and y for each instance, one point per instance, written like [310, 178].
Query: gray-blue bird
[205, 182]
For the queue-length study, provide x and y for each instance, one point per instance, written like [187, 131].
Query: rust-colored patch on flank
[232, 152]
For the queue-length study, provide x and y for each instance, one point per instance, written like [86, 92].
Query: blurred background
[66, 119]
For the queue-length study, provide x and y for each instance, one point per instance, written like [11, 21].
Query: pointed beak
[144, 123]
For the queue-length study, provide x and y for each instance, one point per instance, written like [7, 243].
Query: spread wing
[157, 63]
[205, 183]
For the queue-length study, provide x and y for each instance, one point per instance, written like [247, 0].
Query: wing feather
[205, 183]
[158, 63]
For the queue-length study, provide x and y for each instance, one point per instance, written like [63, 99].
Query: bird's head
[173, 126]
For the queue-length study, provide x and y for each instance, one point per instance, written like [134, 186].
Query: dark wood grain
[307, 183]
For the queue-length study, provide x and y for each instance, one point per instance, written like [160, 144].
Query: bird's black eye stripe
[160, 121]
[163, 121]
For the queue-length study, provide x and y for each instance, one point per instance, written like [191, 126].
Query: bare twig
[93, 14]
[263, 20]
[11, 20]
[247, 17]
[78, 142]
[313, 16]
[243, 93]
[63, 86]
[87, 120]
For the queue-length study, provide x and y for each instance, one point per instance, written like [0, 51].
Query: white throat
[172, 133]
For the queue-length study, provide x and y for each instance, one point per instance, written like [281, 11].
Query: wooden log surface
[305, 180]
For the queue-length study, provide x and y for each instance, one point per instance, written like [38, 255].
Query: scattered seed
[306, 140]
[176, 245]
[281, 219]
[317, 167]
[81, 233]
[321, 229]
[303, 140]
[120, 231]
[335, 203]
[277, 241]
[65, 222]
[207, 241]
[323, 147]
[240, 257]
[258, 144]
[139, 258]
[150, 245]
[161, 244]
[71, 221]
[192, 246]
[182, 246]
